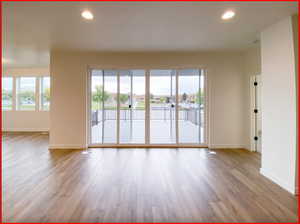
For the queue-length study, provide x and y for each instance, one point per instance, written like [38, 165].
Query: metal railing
[187, 114]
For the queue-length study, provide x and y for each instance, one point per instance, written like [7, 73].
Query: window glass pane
[110, 106]
[26, 93]
[104, 106]
[7, 92]
[98, 96]
[162, 106]
[45, 93]
[132, 106]
[190, 106]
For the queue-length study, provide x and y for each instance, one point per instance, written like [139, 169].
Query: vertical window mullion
[176, 108]
[17, 93]
[103, 110]
[89, 109]
[147, 107]
[14, 94]
[200, 100]
[41, 93]
[205, 107]
[131, 104]
[37, 93]
[118, 106]
[171, 102]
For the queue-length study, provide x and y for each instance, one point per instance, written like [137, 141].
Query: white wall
[69, 80]
[279, 104]
[25, 120]
[31, 121]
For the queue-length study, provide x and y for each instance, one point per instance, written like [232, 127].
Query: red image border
[298, 80]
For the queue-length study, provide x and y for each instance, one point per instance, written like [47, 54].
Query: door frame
[147, 108]
[254, 94]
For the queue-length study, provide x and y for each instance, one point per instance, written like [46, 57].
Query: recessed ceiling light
[87, 15]
[228, 15]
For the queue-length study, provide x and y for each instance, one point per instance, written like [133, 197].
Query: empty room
[149, 112]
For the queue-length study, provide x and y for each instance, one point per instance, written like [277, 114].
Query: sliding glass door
[162, 106]
[104, 106]
[190, 106]
[157, 106]
[132, 106]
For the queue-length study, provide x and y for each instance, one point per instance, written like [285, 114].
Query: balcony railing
[156, 113]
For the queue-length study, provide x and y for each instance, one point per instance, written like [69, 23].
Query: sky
[26, 83]
[7, 83]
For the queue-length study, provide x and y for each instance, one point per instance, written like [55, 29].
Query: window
[44, 93]
[26, 93]
[7, 93]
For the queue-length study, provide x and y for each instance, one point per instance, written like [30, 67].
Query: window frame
[206, 136]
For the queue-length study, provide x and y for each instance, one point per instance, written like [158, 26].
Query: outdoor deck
[160, 132]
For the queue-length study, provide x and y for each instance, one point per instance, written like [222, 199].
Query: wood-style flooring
[136, 185]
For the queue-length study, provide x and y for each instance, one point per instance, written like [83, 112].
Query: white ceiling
[31, 29]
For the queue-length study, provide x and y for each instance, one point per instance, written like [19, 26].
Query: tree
[123, 98]
[200, 97]
[162, 99]
[6, 95]
[47, 95]
[100, 96]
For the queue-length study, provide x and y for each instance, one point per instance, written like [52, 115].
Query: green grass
[7, 107]
[24, 107]
[46, 107]
[140, 105]
[27, 107]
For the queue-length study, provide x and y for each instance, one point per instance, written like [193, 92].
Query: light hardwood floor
[136, 185]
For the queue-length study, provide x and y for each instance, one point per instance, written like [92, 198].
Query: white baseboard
[25, 130]
[279, 181]
[226, 146]
[67, 147]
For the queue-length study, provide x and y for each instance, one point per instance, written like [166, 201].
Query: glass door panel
[162, 106]
[138, 106]
[110, 106]
[132, 106]
[190, 106]
[125, 106]
[96, 106]
[103, 106]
